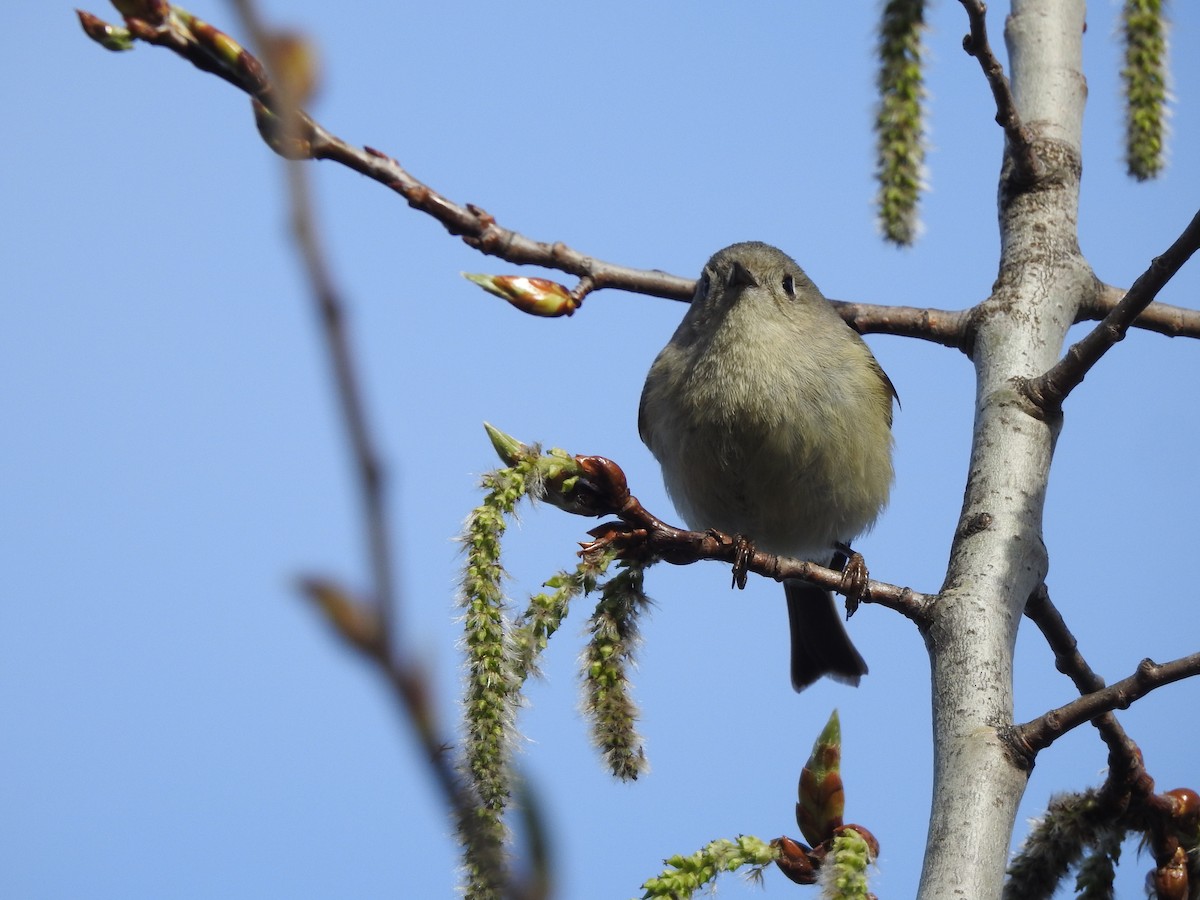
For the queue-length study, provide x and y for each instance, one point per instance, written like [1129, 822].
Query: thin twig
[1049, 390]
[1041, 732]
[216, 53]
[1123, 756]
[478, 229]
[976, 44]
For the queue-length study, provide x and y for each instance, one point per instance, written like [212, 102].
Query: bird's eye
[789, 285]
[702, 286]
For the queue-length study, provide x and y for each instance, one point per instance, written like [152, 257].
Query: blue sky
[178, 723]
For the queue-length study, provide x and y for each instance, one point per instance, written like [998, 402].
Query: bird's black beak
[741, 277]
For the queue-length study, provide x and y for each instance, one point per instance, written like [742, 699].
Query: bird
[772, 421]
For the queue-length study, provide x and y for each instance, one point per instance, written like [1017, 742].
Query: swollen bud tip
[508, 448]
[536, 296]
[822, 794]
[110, 37]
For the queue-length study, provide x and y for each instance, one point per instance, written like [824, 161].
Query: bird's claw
[743, 551]
[855, 578]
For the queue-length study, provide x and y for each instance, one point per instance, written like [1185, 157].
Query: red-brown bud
[794, 861]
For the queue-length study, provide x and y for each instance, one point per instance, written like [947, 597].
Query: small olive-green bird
[772, 420]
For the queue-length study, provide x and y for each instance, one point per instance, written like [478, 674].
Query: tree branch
[1162, 318]
[1123, 755]
[976, 44]
[596, 486]
[1049, 390]
[213, 51]
[478, 229]
[1041, 732]
[950, 328]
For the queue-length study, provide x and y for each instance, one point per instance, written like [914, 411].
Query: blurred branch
[358, 624]
[331, 313]
[976, 44]
[1049, 390]
[370, 627]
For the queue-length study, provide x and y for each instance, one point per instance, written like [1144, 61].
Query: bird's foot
[743, 551]
[854, 578]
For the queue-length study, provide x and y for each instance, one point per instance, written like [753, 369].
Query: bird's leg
[743, 551]
[854, 576]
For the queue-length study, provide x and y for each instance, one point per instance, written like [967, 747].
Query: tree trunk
[998, 558]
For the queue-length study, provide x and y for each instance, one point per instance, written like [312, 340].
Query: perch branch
[596, 486]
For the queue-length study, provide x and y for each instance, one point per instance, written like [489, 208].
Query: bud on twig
[822, 798]
[110, 37]
[536, 296]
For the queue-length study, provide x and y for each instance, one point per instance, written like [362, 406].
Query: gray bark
[998, 557]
